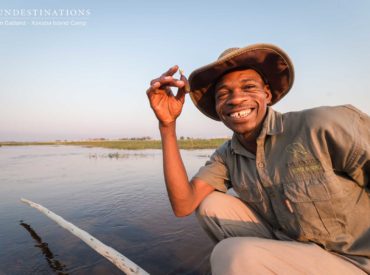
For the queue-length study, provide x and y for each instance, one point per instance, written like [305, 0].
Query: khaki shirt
[309, 179]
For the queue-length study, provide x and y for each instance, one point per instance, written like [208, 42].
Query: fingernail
[168, 77]
[181, 71]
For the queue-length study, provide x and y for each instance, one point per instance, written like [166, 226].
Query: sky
[89, 81]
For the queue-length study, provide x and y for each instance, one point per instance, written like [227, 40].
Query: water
[118, 196]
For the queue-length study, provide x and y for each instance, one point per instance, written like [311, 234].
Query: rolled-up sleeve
[215, 172]
[350, 146]
[359, 165]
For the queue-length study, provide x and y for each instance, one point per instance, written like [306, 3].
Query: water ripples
[120, 200]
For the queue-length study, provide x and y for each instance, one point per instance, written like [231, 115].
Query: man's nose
[237, 96]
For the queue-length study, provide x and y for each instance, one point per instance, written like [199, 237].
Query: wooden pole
[108, 252]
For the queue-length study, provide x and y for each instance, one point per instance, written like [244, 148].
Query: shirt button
[261, 165]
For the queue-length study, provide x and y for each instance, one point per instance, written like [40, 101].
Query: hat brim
[272, 62]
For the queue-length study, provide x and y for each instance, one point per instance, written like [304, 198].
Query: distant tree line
[125, 138]
[137, 138]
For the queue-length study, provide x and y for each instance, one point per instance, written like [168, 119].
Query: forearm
[180, 190]
[185, 196]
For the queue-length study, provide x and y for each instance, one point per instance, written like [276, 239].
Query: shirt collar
[272, 125]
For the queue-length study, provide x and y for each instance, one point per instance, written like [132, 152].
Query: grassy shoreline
[188, 144]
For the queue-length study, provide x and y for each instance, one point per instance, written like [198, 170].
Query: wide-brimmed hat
[272, 63]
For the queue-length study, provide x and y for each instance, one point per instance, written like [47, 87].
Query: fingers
[171, 71]
[171, 81]
[183, 90]
[186, 82]
[158, 88]
[181, 94]
[165, 82]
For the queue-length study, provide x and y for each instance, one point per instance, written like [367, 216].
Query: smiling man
[241, 104]
[302, 178]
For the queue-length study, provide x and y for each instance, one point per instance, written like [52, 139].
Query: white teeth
[241, 114]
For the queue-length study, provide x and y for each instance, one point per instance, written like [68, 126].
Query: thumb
[184, 89]
[183, 78]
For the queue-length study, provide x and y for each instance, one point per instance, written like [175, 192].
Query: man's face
[241, 101]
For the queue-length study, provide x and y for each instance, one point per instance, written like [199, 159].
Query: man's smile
[240, 114]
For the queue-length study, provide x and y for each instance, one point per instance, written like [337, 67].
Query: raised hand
[166, 106]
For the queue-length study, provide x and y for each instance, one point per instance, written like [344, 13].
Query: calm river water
[118, 196]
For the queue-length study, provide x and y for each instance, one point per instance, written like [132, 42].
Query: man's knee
[218, 204]
[210, 205]
[212, 213]
[236, 256]
[223, 216]
[250, 255]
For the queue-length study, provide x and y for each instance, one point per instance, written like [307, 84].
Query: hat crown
[227, 51]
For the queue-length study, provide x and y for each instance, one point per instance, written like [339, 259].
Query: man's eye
[249, 87]
[221, 94]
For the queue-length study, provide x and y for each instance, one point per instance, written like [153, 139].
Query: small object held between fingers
[187, 88]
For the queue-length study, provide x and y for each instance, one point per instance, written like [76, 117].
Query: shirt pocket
[313, 202]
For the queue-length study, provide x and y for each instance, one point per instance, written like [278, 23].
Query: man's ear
[268, 93]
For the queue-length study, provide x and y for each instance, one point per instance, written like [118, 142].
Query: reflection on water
[54, 264]
[118, 155]
[118, 196]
